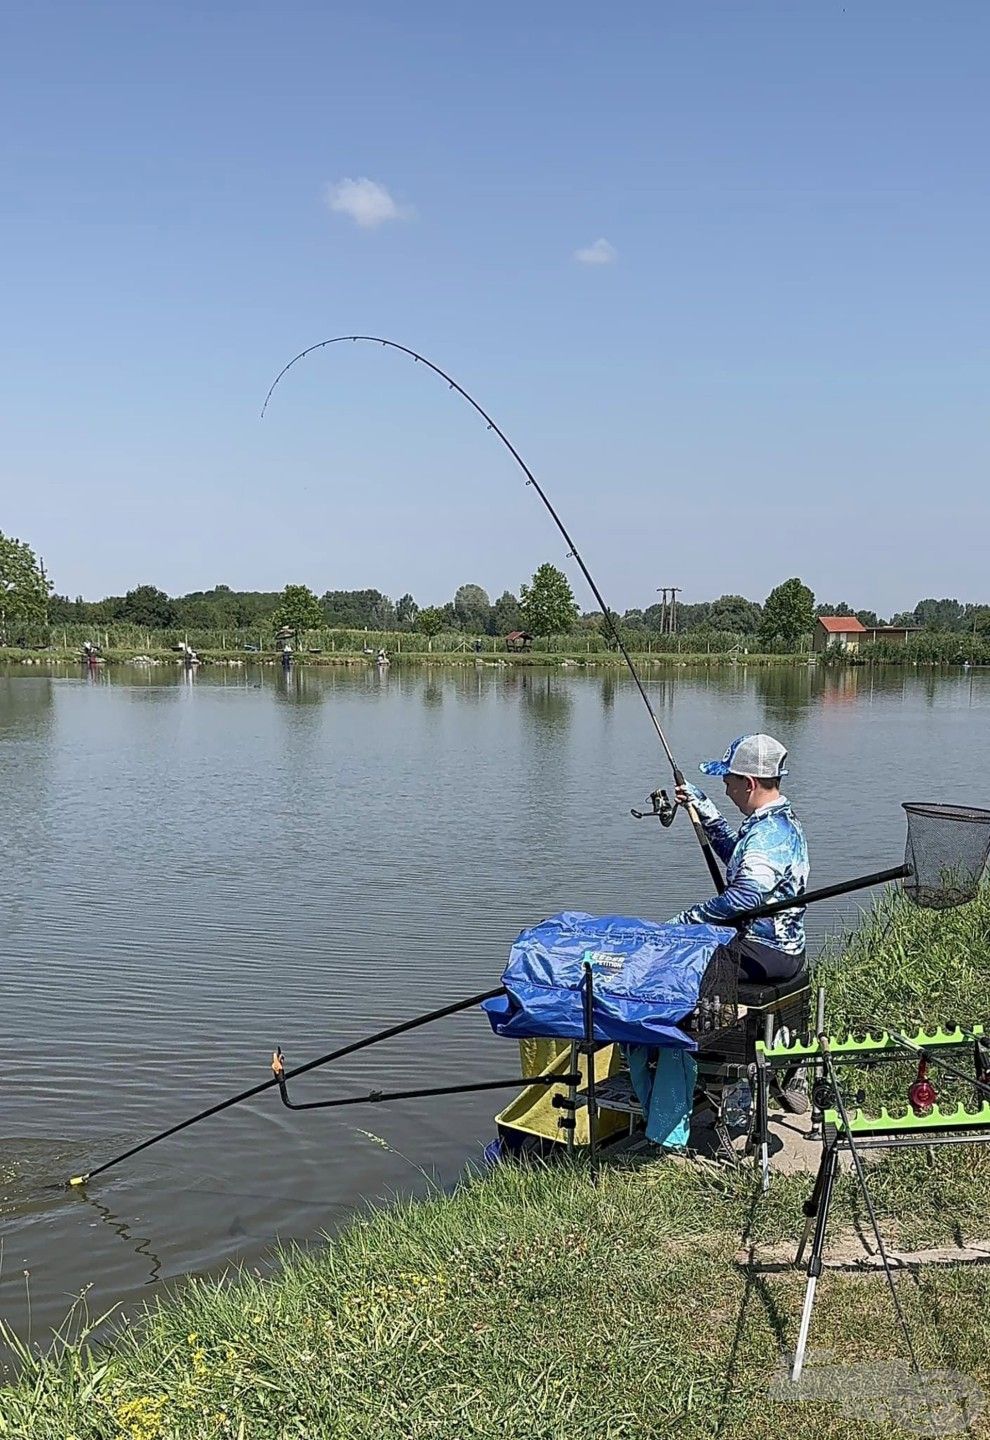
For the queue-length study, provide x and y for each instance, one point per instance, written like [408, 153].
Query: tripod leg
[811, 1206]
[825, 1180]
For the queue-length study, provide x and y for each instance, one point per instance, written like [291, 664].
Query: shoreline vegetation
[348, 649]
[532, 1304]
[489, 660]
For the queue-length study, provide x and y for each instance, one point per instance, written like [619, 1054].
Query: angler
[765, 860]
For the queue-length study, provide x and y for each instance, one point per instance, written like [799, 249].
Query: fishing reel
[662, 808]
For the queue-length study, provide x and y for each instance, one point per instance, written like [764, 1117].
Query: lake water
[195, 870]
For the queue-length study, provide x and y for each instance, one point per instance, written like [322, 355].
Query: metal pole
[589, 1050]
[818, 1074]
[764, 1104]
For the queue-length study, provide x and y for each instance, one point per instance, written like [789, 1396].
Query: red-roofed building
[839, 632]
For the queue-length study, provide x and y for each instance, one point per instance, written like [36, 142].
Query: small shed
[894, 634]
[839, 632]
[519, 640]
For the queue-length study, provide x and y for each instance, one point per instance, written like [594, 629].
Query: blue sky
[780, 369]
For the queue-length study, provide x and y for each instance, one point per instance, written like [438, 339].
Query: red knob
[922, 1097]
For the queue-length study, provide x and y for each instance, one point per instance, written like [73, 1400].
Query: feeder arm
[827, 892]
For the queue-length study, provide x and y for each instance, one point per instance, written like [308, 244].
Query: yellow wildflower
[143, 1417]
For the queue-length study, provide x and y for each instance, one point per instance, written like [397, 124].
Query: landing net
[947, 850]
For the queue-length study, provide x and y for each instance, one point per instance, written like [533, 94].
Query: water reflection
[298, 685]
[547, 703]
[786, 692]
[139, 1244]
[841, 687]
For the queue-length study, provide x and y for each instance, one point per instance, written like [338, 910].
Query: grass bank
[532, 1304]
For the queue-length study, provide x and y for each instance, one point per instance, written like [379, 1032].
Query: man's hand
[688, 794]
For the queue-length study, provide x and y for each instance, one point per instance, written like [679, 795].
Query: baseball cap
[759, 755]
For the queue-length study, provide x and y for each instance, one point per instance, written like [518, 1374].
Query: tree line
[544, 605]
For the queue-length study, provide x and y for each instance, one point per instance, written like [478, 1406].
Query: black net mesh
[718, 1000]
[947, 850]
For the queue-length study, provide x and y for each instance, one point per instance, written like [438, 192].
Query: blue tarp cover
[646, 978]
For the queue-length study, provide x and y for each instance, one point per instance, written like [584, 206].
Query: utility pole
[668, 608]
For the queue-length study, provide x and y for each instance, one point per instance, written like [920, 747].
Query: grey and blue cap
[759, 755]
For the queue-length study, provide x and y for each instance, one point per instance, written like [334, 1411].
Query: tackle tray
[786, 1002]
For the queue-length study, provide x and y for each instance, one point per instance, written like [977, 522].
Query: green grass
[535, 1304]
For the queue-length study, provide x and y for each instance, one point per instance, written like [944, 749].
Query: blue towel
[664, 1080]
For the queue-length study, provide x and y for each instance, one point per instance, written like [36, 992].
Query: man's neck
[766, 797]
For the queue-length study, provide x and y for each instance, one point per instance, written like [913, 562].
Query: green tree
[735, 613]
[24, 587]
[473, 608]
[506, 615]
[298, 609]
[940, 614]
[148, 607]
[788, 613]
[406, 610]
[357, 609]
[547, 603]
[429, 621]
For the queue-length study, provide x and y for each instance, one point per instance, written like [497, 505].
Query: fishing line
[573, 553]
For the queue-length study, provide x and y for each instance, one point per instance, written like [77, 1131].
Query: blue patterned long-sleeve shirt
[765, 860]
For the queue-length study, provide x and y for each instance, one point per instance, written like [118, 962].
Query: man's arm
[754, 884]
[721, 834]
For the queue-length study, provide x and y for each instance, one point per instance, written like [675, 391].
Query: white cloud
[599, 253]
[365, 201]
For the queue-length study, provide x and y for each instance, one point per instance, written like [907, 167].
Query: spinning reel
[662, 808]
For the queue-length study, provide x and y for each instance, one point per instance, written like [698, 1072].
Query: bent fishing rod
[573, 553]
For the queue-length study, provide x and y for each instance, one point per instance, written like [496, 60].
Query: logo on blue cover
[603, 960]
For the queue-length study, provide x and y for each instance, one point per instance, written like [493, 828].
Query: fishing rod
[573, 553]
[277, 1079]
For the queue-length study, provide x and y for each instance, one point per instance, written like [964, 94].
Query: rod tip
[78, 1180]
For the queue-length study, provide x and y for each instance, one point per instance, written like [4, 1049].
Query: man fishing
[765, 860]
